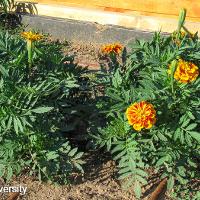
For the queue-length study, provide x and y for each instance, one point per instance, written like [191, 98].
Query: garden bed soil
[99, 182]
[86, 55]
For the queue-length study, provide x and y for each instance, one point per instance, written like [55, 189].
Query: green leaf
[2, 170]
[191, 127]
[185, 123]
[41, 110]
[161, 137]
[141, 180]
[195, 135]
[117, 148]
[173, 69]
[192, 163]
[117, 80]
[182, 138]
[137, 190]
[9, 173]
[79, 167]
[19, 124]
[108, 144]
[177, 134]
[180, 179]
[16, 126]
[9, 122]
[52, 155]
[121, 154]
[124, 170]
[170, 183]
[141, 172]
[132, 164]
[190, 115]
[188, 139]
[162, 160]
[125, 175]
[78, 155]
[72, 152]
[3, 71]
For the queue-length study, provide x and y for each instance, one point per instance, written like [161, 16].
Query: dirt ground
[86, 55]
[99, 182]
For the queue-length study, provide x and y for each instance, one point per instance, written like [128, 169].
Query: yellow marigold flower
[30, 36]
[186, 72]
[112, 48]
[141, 115]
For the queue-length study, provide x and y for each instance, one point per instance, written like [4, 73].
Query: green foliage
[6, 5]
[112, 133]
[131, 166]
[9, 19]
[33, 105]
[172, 146]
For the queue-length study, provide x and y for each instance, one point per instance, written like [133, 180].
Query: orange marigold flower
[30, 36]
[112, 48]
[186, 72]
[117, 48]
[141, 115]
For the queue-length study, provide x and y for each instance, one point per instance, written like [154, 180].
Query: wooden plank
[169, 8]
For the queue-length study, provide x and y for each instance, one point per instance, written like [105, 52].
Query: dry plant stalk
[156, 193]
[13, 196]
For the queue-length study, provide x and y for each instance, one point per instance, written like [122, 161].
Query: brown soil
[86, 55]
[97, 183]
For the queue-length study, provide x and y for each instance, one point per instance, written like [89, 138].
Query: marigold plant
[141, 115]
[31, 37]
[166, 139]
[31, 111]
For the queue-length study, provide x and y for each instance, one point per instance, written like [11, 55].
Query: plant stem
[30, 49]
[173, 69]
